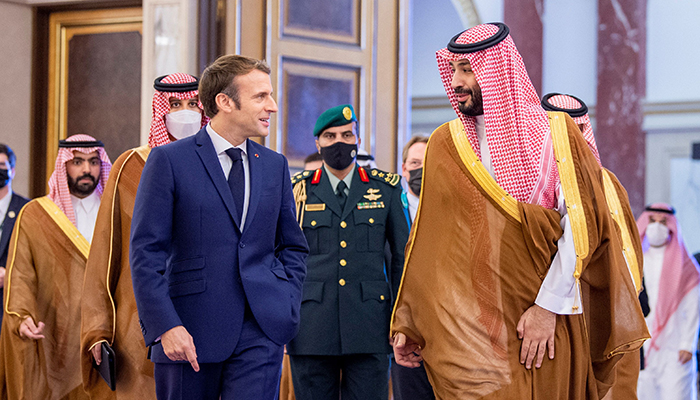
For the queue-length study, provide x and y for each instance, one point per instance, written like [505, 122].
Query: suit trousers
[251, 372]
[411, 383]
[364, 377]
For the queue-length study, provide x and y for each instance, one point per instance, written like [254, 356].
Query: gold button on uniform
[342, 282]
[343, 244]
[343, 262]
[371, 220]
[313, 223]
[343, 224]
[381, 297]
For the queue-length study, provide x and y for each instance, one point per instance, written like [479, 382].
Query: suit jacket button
[341, 282]
[242, 245]
[343, 262]
[343, 224]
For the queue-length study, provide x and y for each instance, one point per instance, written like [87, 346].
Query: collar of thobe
[221, 144]
[335, 181]
[87, 204]
[484, 144]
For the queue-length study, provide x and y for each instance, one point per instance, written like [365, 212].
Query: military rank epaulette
[301, 176]
[389, 178]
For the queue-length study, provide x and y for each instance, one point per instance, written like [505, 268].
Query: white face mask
[657, 234]
[182, 124]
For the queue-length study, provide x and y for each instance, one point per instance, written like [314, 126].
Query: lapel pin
[11, 214]
[257, 155]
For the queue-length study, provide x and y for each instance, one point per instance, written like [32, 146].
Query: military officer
[348, 214]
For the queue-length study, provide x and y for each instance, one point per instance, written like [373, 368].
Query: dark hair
[411, 142]
[313, 157]
[219, 78]
[6, 150]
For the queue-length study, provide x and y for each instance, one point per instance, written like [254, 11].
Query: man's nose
[272, 106]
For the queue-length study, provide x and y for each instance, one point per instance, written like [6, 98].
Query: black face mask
[4, 177]
[339, 155]
[414, 180]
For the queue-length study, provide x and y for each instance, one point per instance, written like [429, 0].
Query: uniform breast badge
[372, 194]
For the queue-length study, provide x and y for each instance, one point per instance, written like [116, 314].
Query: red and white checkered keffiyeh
[58, 182]
[679, 273]
[517, 127]
[158, 134]
[567, 102]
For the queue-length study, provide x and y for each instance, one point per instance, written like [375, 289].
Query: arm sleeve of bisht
[558, 292]
[688, 320]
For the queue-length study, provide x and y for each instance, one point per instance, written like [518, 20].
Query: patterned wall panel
[309, 89]
[104, 89]
[334, 21]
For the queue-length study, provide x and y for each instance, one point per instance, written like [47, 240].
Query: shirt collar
[221, 144]
[335, 181]
[88, 204]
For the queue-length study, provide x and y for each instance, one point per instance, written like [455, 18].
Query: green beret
[336, 116]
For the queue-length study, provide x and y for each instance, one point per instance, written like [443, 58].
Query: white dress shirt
[220, 146]
[4, 206]
[558, 292]
[86, 213]
[412, 204]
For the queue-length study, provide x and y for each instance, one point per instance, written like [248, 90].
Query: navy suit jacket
[191, 265]
[16, 204]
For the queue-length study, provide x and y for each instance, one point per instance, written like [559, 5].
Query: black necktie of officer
[340, 194]
[236, 179]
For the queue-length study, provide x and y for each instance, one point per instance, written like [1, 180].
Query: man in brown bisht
[627, 370]
[108, 304]
[528, 261]
[40, 339]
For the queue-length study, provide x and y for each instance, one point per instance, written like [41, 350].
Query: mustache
[463, 90]
[92, 178]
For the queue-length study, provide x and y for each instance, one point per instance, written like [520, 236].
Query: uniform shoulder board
[389, 178]
[299, 176]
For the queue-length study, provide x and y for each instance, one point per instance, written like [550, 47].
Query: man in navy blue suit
[217, 257]
[10, 204]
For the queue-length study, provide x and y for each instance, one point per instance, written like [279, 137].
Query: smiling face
[251, 116]
[467, 89]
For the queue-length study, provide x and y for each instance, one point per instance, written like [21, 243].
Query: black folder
[108, 366]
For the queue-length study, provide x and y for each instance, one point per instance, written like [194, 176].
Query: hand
[97, 353]
[2, 277]
[178, 346]
[536, 329]
[407, 352]
[684, 356]
[28, 330]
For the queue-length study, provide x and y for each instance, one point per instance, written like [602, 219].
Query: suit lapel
[6, 233]
[357, 190]
[207, 154]
[255, 166]
[324, 191]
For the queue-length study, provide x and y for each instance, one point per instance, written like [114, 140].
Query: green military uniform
[348, 292]
[346, 301]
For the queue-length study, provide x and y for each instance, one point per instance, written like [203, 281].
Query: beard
[80, 188]
[476, 104]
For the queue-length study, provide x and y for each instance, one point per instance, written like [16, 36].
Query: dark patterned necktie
[236, 179]
[340, 194]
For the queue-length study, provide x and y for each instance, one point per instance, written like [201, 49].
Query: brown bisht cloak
[471, 274]
[627, 370]
[108, 306]
[46, 264]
